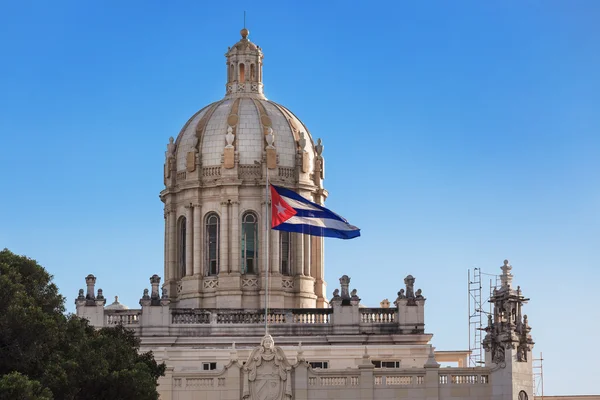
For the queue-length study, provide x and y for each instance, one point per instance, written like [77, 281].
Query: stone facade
[242, 312]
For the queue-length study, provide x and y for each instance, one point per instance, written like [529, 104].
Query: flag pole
[267, 240]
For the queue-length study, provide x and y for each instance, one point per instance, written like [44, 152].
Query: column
[197, 239]
[172, 236]
[298, 253]
[224, 247]
[274, 248]
[235, 236]
[189, 244]
[166, 246]
[307, 255]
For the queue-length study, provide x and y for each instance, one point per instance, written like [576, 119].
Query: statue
[170, 148]
[401, 296]
[229, 137]
[267, 373]
[81, 296]
[410, 286]
[336, 293]
[419, 294]
[302, 141]
[270, 138]
[164, 293]
[146, 296]
[100, 296]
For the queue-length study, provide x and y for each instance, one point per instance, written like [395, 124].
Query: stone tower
[508, 342]
[215, 174]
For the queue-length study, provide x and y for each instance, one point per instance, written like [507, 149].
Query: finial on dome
[244, 32]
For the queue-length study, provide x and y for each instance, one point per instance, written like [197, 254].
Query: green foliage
[18, 386]
[47, 355]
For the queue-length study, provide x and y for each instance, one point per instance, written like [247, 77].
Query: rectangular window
[319, 364]
[284, 246]
[209, 366]
[386, 364]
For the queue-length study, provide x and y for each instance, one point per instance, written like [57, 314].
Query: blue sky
[456, 134]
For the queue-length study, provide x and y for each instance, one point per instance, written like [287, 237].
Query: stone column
[275, 251]
[298, 253]
[189, 237]
[197, 239]
[224, 245]
[307, 258]
[172, 239]
[235, 236]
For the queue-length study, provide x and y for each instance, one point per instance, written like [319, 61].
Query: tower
[215, 174]
[508, 342]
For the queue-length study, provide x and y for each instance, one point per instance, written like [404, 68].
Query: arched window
[523, 395]
[212, 244]
[252, 73]
[181, 231]
[285, 251]
[231, 77]
[242, 73]
[249, 243]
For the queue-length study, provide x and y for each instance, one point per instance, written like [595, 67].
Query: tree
[45, 354]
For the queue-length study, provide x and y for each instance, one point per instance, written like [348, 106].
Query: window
[249, 243]
[242, 73]
[523, 395]
[212, 244]
[319, 364]
[285, 248]
[386, 364]
[181, 234]
[209, 366]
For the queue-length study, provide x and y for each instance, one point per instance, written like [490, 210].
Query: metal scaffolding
[476, 313]
[538, 377]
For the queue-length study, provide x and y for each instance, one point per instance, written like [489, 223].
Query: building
[208, 321]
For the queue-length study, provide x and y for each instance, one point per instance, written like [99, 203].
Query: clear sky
[456, 134]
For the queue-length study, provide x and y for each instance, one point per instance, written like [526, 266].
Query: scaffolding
[476, 313]
[538, 377]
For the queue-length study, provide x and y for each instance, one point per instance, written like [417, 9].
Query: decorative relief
[267, 373]
[179, 288]
[181, 175]
[211, 283]
[249, 283]
[241, 87]
[254, 87]
[177, 382]
[287, 283]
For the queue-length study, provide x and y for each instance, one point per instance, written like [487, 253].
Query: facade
[208, 320]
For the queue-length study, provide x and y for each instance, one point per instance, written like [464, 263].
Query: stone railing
[122, 317]
[235, 316]
[390, 379]
[463, 379]
[211, 172]
[377, 315]
[333, 380]
[250, 171]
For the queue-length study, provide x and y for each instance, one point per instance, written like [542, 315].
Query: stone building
[208, 321]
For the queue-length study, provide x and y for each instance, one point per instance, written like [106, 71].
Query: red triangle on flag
[281, 211]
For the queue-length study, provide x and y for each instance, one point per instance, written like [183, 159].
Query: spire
[244, 68]
[506, 277]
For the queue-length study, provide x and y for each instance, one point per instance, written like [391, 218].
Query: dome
[249, 117]
[216, 171]
[116, 305]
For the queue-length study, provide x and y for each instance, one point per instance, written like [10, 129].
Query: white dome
[116, 305]
[212, 123]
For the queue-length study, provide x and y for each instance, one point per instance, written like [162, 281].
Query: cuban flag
[291, 212]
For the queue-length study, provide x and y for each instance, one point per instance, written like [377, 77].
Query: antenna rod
[244, 19]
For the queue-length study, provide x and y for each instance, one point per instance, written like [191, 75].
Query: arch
[231, 76]
[249, 243]
[523, 395]
[285, 253]
[181, 238]
[211, 243]
[252, 73]
[242, 73]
